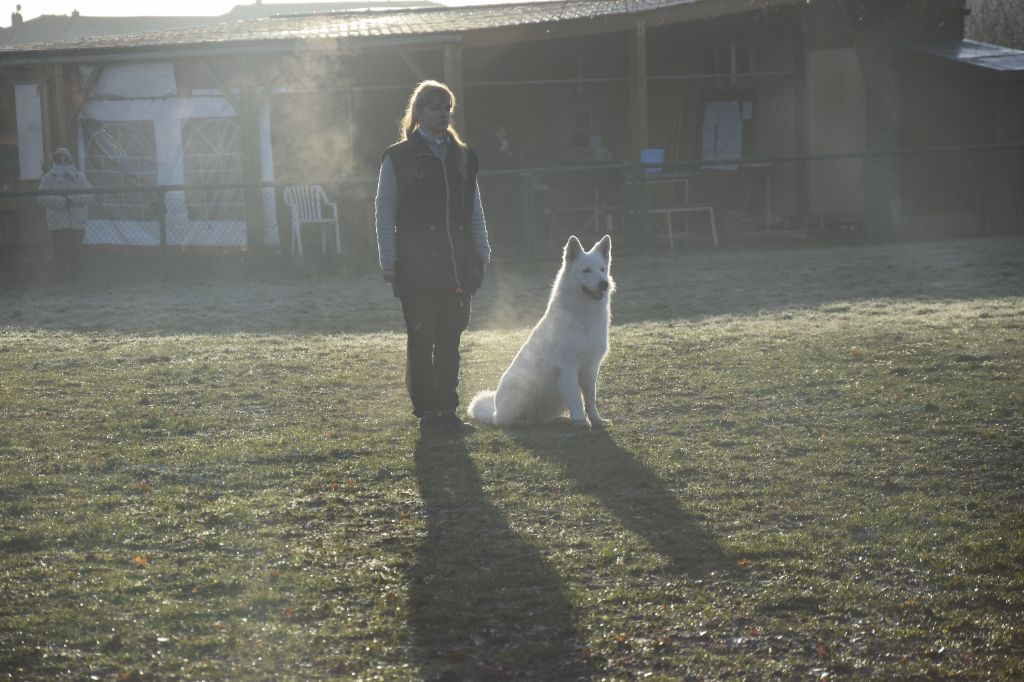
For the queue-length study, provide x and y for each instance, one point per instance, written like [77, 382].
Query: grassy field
[814, 470]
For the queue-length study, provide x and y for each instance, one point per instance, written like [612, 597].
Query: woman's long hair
[429, 92]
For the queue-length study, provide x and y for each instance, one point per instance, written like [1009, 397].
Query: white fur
[556, 369]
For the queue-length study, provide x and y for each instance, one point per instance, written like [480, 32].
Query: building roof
[53, 28]
[1001, 63]
[50, 28]
[267, 9]
[370, 26]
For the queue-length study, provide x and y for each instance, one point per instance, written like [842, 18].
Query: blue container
[652, 156]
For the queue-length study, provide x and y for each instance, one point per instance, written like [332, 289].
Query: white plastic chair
[309, 204]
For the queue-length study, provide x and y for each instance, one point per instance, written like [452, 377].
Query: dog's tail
[482, 407]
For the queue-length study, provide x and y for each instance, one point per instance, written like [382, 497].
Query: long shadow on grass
[597, 466]
[483, 603]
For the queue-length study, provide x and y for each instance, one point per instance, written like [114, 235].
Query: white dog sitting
[563, 353]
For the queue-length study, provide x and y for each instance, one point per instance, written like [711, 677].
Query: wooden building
[313, 97]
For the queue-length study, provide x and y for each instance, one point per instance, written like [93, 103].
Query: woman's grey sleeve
[478, 225]
[386, 208]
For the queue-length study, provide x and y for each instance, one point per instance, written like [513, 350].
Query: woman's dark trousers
[67, 250]
[434, 326]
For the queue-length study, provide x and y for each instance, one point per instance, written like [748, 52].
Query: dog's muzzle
[602, 287]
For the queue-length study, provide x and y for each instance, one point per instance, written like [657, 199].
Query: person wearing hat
[66, 214]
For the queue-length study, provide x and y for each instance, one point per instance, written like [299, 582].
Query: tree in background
[1000, 22]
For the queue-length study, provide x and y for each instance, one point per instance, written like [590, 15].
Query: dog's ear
[573, 248]
[605, 247]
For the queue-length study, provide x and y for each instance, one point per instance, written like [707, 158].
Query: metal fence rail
[649, 207]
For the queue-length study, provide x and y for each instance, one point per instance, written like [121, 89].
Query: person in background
[66, 215]
[579, 141]
[597, 152]
[432, 244]
[501, 155]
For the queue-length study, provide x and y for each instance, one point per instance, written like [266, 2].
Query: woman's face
[435, 116]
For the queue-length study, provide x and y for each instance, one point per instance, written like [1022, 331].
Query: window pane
[213, 155]
[121, 154]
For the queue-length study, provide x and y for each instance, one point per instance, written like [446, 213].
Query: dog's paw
[600, 423]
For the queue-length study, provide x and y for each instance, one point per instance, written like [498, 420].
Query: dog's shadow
[483, 602]
[597, 466]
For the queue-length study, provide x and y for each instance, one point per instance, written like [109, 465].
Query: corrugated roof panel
[363, 24]
[1001, 62]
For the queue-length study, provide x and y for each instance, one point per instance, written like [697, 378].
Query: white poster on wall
[29, 113]
[722, 133]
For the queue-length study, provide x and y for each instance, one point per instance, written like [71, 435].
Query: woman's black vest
[433, 222]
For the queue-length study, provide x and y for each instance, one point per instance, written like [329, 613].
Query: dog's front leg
[588, 383]
[569, 387]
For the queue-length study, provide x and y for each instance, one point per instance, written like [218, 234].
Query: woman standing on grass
[432, 242]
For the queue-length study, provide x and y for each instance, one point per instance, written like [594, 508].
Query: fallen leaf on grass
[140, 560]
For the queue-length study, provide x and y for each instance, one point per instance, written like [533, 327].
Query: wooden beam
[234, 101]
[453, 78]
[83, 94]
[413, 65]
[62, 134]
[637, 58]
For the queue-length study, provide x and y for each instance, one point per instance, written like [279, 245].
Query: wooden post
[453, 78]
[1003, 178]
[877, 27]
[637, 48]
[62, 136]
[801, 125]
[883, 212]
[249, 102]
